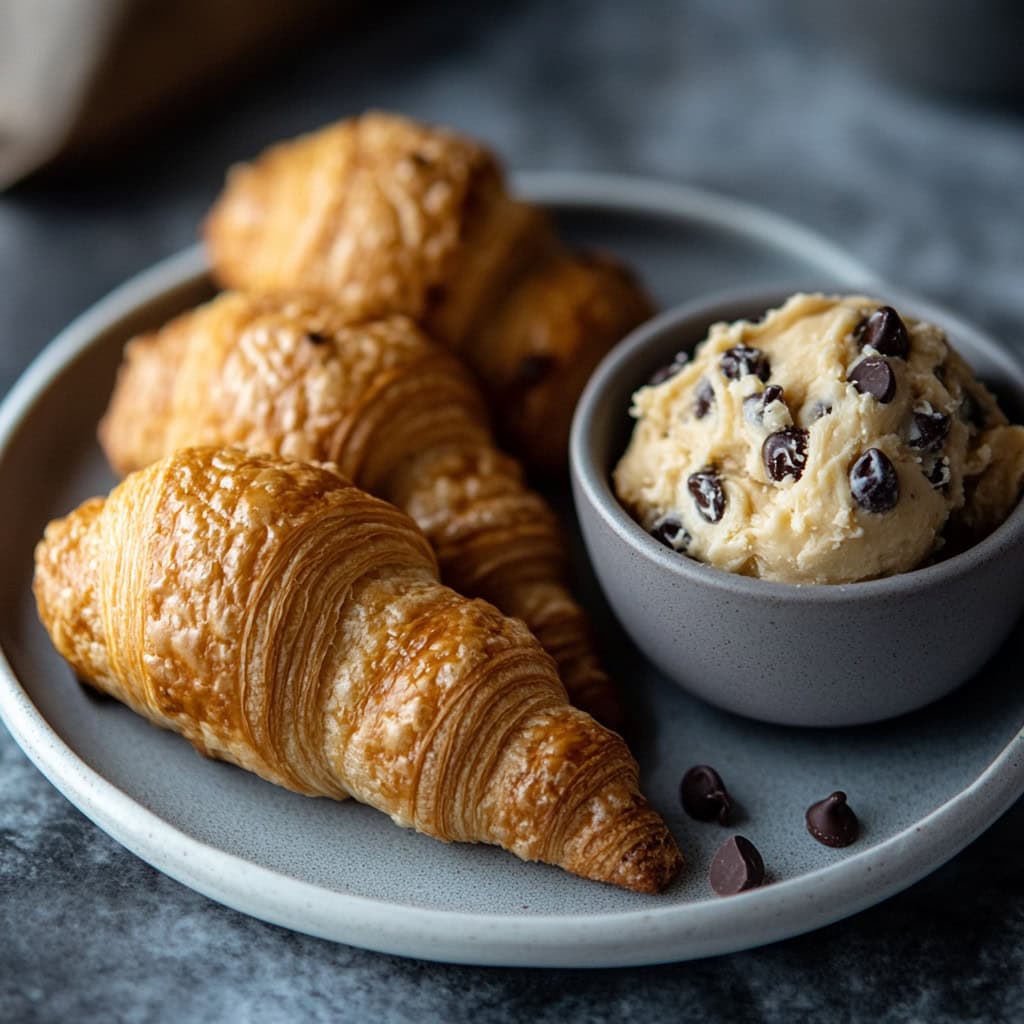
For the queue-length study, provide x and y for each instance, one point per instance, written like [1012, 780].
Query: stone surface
[925, 189]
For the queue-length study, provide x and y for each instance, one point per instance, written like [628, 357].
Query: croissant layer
[280, 618]
[286, 374]
[385, 215]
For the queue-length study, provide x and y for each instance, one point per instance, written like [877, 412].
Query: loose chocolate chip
[754, 405]
[940, 474]
[703, 398]
[316, 338]
[706, 489]
[704, 796]
[784, 453]
[928, 430]
[736, 867]
[885, 332]
[740, 360]
[533, 369]
[669, 370]
[832, 822]
[669, 530]
[874, 483]
[874, 376]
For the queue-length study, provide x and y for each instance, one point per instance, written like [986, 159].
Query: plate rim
[633, 937]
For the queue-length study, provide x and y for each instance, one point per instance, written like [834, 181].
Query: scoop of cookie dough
[830, 442]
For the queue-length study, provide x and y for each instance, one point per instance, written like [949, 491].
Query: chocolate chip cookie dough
[833, 441]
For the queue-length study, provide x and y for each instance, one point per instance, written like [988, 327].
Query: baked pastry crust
[281, 619]
[287, 374]
[385, 215]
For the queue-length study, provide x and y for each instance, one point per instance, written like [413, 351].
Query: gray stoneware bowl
[796, 655]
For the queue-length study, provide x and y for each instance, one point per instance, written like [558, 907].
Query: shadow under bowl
[810, 655]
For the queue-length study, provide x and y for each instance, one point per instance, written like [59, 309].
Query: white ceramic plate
[924, 786]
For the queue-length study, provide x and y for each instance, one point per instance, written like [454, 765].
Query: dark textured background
[927, 189]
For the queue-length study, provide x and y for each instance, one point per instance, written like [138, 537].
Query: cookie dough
[832, 441]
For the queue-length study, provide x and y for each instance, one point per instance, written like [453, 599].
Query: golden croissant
[385, 215]
[402, 418]
[283, 620]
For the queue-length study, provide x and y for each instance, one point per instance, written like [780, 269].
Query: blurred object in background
[76, 75]
[968, 49]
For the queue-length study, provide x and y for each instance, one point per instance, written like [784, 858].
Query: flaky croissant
[285, 374]
[281, 619]
[385, 215]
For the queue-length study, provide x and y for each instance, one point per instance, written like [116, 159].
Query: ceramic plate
[924, 786]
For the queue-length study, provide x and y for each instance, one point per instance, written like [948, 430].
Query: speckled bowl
[796, 655]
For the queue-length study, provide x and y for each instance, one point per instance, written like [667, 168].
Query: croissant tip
[650, 866]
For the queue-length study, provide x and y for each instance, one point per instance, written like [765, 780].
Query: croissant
[385, 215]
[401, 418]
[281, 619]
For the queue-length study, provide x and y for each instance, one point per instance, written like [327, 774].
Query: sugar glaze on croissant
[385, 215]
[281, 619]
[401, 417]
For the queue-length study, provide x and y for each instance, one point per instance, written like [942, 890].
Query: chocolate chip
[669, 370]
[874, 483]
[736, 867]
[832, 822]
[669, 530]
[885, 332]
[316, 338]
[784, 453]
[820, 409]
[928, 430]
[940, 474]
[754, 405]
[706, 488]
[874, 376]
[704, 796]
[533, 369]
[739, 361]
[703, 398]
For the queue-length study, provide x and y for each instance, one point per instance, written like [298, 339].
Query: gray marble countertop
[925, 189]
